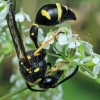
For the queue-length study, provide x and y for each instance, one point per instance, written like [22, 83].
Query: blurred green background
[87, 26]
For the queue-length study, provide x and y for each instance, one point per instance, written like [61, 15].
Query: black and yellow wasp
[32, 64]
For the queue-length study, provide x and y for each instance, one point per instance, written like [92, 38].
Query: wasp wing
[15, 33]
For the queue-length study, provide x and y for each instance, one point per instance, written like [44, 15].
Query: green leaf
[7, 48]
[90, 63]
[81, 48]
[2, 7]
[98, 80]
[2, 57]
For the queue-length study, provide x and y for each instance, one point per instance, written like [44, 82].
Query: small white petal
[62, 39]
[59, 47]
[77, 43]
[15, 60]
[71, 70]
[3, 23]
[52, 41]
[59, 60]
[71, 45]
[40, 37]
[1, 4]
[69, 34]
[12, 78]
[27, 17]
[96, 69]
[94, 77]
[76, 60]
[4, 11]
[88, 47]
[40, 30]
[48, 37]
[95, 60]
[28, 40]
[85, 60]
[19, 17]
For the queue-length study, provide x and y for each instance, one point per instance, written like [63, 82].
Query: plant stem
[58, 51]
[12, 94]
[54, 55]
[85, 74]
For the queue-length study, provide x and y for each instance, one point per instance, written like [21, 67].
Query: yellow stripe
[59, 10]
[37, 69]
[29, 57]
[66, 7]
[32, 34]
[29, 70]
[46, 14]
[38, 80]
[35, 25]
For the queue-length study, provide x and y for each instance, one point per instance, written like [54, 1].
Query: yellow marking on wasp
[38, 80]
[32, 34]
[28, 57]
[22, 57]
[29, 70]
[59, 10]
[37, 69]
[35, 25]
[66, 7]
[46, 14]
[36, 53]
[21, 63]
[53, 69]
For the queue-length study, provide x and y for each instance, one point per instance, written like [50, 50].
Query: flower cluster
[73, 50]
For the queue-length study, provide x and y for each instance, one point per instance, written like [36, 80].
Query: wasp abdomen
[52, 14]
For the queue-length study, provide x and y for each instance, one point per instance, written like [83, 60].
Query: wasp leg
[53, 69]
[34, 34]
[71, 75]
[30, 88]
[42, 46]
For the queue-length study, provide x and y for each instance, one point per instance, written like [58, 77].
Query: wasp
[50, 15]
[32, 64]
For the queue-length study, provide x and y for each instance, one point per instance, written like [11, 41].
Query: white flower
[88, 47]
[4, 9]
[28, 40]
[96, 69]
[95, 60]
[3, 23]
[65, 35]
[62, 39]
[21, 16]
[12, 78]
[59, 47]
[84, 60]
[94, 77]
[76, 60]
[74, 42]
[58, 60]
[47, 38]
[40, 35]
